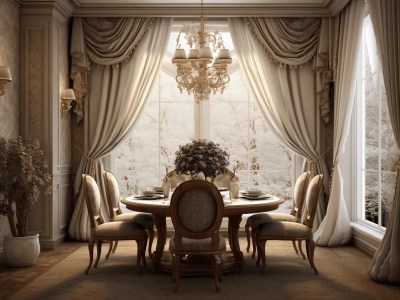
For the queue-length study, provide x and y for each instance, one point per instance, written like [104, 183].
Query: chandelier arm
[204, 69]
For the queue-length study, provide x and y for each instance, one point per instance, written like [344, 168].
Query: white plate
[259, 197]
[158, 189]
[152, 197]
[253, 194]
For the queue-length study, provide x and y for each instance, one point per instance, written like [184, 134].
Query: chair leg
[247, 230]
[139, 255]
[145, 237]
[261, 252]
[144, 244]
[115, 246]
[253, 239]
[109, 250]
[90, 247]
[151, 238]
[99, 244]
[301, 250]
[217, 266]
[310, 248]
[176, 266]
[295, 247]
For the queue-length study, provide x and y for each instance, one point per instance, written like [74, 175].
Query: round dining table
[233, 210]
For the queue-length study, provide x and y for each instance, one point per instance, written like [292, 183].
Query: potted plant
[23, 175]
[201, 156]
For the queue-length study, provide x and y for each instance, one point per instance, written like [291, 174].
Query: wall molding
[366, 239]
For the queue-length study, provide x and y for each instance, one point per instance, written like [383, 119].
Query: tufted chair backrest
[93, 200]
[196, 209]
[311, 200]
[112, 194]
[223, 180]
[175, 179]
[299, 194]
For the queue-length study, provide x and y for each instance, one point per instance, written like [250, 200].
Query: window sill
[366, 238]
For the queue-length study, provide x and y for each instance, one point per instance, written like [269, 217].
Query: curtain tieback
[311, 162]
[93, 161]
[335, 163]
[398, 163]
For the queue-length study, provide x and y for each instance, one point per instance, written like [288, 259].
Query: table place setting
[150, 194]
[255, 194]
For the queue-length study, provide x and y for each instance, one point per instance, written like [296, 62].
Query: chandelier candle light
[204, 68]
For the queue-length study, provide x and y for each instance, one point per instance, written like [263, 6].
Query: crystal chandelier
[204, 68]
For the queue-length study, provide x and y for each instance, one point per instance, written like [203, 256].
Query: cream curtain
[115, 99]
[335, 229]
[385, 266]
[286, 95]
[102, 41]
[298, 41]
[288, 41]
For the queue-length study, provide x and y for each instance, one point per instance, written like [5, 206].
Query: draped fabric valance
[109, 41]
[296, 41]
[101, 41]
[289, 41]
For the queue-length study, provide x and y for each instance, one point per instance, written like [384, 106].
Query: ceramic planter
[22, 251]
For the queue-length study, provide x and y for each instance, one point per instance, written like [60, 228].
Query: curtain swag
[103, 42]
[288, 41]
[109, 41]
[294, 42]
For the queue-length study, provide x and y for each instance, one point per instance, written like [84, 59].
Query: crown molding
[337, 6]
[64, 7]
[173, 8]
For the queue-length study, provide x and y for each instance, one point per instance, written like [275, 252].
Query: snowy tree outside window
[378, 148]
[231, 120]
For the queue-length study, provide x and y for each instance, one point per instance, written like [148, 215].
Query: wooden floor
[59, 274]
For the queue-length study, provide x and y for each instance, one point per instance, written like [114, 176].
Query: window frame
[359, 151]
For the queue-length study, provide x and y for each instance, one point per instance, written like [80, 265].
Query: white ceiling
[216, 8]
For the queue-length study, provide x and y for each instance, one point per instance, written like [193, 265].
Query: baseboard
[366, 239]
[51, 244]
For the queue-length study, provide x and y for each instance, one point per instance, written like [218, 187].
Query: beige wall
[10, 102]
[36, 40]
[10, 56]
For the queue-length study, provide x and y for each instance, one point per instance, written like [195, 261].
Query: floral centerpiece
[201, 156]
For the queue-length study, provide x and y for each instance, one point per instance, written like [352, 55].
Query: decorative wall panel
[10, 102]
[35, 103]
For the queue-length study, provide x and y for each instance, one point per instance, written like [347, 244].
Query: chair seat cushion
[143, 219]
[119, 230]
[194, 245]
[258, 219]
[284, 230]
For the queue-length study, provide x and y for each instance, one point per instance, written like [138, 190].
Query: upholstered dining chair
[115, 212]
[196, 212]
[284, 230]
[299, 193]
[175, 178]
[109, 231]
[223, 180]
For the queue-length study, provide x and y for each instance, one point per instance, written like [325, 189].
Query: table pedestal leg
[160, 222]
[233, 233]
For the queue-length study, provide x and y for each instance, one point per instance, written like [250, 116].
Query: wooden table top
[235, 207]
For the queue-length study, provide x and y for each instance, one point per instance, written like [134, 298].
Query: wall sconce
[5, 77]
[67, 97]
